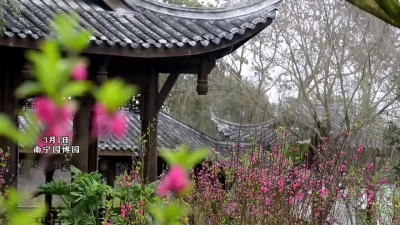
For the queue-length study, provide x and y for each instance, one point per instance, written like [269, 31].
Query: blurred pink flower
[176, 180]
[371, 167]
[104, 121]
[323, 193]
[80, 72]
[55, 118]
[291, 201]
[360, 149]
[46, 109]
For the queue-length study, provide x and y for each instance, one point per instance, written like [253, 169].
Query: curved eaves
[136, 33]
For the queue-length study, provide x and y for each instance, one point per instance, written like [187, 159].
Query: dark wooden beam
[87, 160]
[102, 71]
[138, 81]
[149, 127]
[111, 168]
[26, 73]
[81, 135]
[207, 65]
[126, 153]
[166, 89]
[98, 71]
[48, 199]
[93, 158]
[122, 66]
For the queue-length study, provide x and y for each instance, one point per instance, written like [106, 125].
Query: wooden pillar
[99, 74]
[9, 79]
[149, 113]
[111, 167]
[87, 159]
[81, 135]
[93, 158]
[206, 66]
[48, 199]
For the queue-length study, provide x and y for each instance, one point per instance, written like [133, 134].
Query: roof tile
[171, 134]
[133, 26]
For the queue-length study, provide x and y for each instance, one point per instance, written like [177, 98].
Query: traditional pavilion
[135, 40]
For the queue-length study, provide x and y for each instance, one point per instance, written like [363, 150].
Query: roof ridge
[216, 120]
[189, 127]
[206, 13]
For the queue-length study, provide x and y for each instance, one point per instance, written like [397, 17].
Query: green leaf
[65, 68]
[169, 157]
[70, 35]
[182, 154]
[184, 157]
[114, 94]
[157, 212]
[195, 157]
[8, 129]
[13, 199]
[45, 66]
[170, 214]
[58, 187]
[20, 217]
[173, 213]
[28, 88]
[51, 51]
[31, 135]
[74, 89]
[62, 25]
[82, 40]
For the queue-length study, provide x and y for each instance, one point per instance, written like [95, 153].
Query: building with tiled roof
[263, 134]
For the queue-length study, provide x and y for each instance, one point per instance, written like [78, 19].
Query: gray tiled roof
[141, 23]
[171, 134]
[263, 134]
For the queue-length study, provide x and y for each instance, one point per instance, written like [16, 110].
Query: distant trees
[231, 92]
[320, 52]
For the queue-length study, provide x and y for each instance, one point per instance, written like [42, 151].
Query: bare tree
[335, 55]
[339, 64]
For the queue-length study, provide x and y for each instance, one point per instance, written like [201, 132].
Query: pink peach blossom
[176, 180]
[103, 121]
[55, 118]
[80, 72]
[371, 167]
[323, 193]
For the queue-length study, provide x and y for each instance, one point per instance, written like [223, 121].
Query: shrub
[270, 188]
